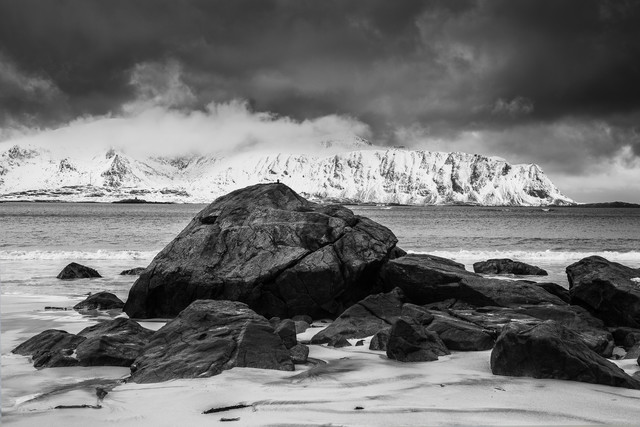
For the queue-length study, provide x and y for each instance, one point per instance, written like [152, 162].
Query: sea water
[38, 239]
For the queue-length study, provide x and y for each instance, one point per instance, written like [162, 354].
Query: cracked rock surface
[207, 338]
[270, 248]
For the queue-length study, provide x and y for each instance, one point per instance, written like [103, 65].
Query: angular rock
[51, 348]
[417, 314]
[100, 301]
[286, 329]
[338, 342]
[425, 279]
[380, 339]
[301, 326]
[133, 271]
[507, 266]
[459, 335]
[633, 352]
[605, 288]
[116, 342]
[409, 342]
[77, 271]
[208, 337]
[299, 354]
[555, 289]
[363, 319]
[549, 350]
[270, 248]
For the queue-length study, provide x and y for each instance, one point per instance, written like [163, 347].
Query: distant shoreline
[616, 204]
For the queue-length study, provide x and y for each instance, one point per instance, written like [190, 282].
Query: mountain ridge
[368, 174]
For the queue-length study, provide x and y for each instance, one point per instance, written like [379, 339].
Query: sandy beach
[456, 390]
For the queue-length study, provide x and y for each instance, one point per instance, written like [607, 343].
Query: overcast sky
[551, 82]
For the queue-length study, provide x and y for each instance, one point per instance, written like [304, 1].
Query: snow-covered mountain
[363, 174]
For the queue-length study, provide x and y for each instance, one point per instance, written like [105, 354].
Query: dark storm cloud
[445, 66]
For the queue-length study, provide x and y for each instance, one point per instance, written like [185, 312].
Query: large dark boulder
[207, 338]
[268, 247]
[116, 342]
[77, 271]
[549, 350]
[426, 279]
[459, 335]
[507, 266]
[51, 348]
[606, 289]
[409, 342]
[364, 318]
[100, 301]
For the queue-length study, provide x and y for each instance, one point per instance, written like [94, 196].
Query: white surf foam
[86, 255]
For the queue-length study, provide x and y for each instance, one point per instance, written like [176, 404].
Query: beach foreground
[455, 390]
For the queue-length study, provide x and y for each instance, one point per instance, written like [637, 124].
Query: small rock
[301, 326]
[618, 353]
[358, 408]
[412, 343]
[633, 352]
[302, 318]
[380, 340]
[133, 272]
[287, 331]
[338, 342]
[77, 271]
[359, 343]
[507, 266]
[100, 301]
[299, 353]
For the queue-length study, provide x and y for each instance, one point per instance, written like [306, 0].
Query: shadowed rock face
[270, 248]
[207, 338]
[549, 350]
[605, 288]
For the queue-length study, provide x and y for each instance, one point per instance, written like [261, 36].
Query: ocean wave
[630, 257]
[85, 255]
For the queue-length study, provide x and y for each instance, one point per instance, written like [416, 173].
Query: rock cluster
[264, 252]
[115, 342]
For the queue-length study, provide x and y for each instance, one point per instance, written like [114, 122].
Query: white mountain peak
[348, 170]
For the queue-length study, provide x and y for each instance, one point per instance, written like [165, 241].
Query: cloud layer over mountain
[554, 83]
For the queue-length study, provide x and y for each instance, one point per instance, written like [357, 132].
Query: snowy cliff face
[364, 175]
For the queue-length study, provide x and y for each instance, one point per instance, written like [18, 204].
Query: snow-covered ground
[353, 172]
